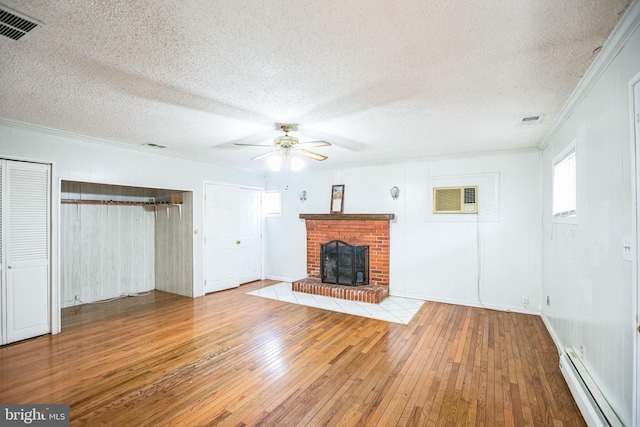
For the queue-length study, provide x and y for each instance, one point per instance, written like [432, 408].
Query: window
[272, 203]
[564, 183]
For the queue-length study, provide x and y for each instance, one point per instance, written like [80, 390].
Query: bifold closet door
[25, 246]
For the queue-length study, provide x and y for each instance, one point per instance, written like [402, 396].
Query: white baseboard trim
[553, 334]
[594, 408]
[465, 303]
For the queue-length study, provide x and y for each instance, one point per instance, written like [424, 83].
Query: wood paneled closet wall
[119, 240]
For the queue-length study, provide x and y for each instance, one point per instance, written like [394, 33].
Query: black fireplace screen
[344, 264]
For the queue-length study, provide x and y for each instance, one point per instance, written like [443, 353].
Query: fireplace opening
[344, 264]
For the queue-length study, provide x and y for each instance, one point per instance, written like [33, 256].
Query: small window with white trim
[565, 185]
[272, 203]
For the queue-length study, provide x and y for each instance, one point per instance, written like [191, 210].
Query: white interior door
[250, 234]
[220, 238]
[25, 213]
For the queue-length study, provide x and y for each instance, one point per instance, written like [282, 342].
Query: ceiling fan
[286, 145]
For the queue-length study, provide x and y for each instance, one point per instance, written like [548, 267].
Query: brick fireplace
[370, 230]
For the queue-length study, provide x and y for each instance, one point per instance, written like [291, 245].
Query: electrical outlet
[582, 352]
[525, 300]
[548, 300]
[76, 298]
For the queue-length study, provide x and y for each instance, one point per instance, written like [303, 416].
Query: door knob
[237, 242]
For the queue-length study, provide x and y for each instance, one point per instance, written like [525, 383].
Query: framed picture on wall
[337, 199]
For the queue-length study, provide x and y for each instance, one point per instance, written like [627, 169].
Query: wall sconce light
[395, 192]
[303, 195]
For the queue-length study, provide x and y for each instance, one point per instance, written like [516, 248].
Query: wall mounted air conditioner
[455, 200]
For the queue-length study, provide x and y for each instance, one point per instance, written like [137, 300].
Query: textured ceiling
[381, 80]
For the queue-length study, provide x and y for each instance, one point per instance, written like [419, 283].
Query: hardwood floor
[233, 359]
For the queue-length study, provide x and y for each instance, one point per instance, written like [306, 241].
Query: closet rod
[112, 202]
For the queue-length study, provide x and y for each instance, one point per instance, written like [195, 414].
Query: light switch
[627, 249]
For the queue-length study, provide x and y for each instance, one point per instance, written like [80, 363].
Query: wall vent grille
[14, 25]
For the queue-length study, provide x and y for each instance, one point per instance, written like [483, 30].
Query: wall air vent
[15, 25]
[455, 200]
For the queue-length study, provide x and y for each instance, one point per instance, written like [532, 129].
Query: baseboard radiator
[594, 407]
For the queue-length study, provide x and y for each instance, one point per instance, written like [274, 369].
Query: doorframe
[634, 109]
[204, 218]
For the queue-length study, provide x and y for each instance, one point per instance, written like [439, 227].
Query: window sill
[565, 219]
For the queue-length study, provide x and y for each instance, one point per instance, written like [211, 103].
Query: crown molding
[621, 33]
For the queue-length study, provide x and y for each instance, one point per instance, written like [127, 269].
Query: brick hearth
[367, 293]
[355, 229]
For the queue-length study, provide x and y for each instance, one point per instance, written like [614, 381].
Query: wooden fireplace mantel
[347, 217]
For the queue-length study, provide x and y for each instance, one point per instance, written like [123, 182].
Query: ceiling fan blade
[268, 153]
[311, 154]
[264, 137]
[252, 145]
[339, 141]
[311, 144]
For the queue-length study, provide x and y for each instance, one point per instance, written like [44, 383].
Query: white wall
[77, 158]
[435, 260]
[589, 284]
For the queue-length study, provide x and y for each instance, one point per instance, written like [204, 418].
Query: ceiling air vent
[15, 25]
[530, 121]
[151, 144]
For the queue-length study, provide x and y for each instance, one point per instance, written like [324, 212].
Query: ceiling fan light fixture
[289, 144]
[285, 143]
